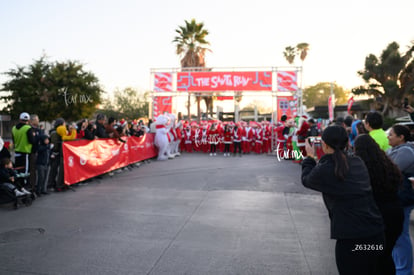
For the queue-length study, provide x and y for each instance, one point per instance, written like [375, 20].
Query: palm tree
[290, 54]
[191, 44]
[303, 48]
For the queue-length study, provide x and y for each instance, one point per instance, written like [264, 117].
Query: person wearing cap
[23, 139]
[344, 181]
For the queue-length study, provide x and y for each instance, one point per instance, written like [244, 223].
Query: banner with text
[287, 105]
[224, 81]
[162, 83]
[84, 159]
[287, 81]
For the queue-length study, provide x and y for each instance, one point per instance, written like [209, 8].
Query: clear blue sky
[119, 41]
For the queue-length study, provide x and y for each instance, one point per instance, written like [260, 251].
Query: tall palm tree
[290, 54]
[303, 48]
[192, 45]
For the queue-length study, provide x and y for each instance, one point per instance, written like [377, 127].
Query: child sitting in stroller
[8, 179]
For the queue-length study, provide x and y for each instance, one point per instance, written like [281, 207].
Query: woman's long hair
[337, 138]
[384, 174]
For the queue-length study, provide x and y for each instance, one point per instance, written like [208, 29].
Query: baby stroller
[8, 195]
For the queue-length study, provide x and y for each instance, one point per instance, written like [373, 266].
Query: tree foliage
[317, 95]
[128, 103]
[389, 77]
[51, 90]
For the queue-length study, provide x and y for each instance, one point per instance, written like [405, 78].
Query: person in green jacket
[23, 138]
[373, 123]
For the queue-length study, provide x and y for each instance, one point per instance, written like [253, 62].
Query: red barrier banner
[84, 159]
[224, 81]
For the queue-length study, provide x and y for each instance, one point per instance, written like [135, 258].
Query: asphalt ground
[195, 214]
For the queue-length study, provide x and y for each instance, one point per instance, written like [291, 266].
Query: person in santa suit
[247, 138]
[196, 137]
[281, 135]
[204, 135]
[302, 134]
[231, 128]
[288, 132]
[266, 136]
[252, 135]
[227, 140]
[182, 129]
[213, 135]
[237, 139]
[188, 142]
[220, 127]
[258, 137]
[178, 133]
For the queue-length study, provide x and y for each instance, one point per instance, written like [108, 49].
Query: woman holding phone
[356, 221]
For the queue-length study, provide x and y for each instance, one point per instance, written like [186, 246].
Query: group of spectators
[365, 177]
[38, 164]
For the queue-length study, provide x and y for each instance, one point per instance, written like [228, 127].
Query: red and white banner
[84, 159]
[162, 83]
[287, 81]
[331, 107]
[224, 81]
[287, 105]
[350, 103]
[162, 104]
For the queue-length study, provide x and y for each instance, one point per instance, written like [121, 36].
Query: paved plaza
[195, 214]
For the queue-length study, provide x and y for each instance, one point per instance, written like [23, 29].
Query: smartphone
[405, 102]
[313, 140]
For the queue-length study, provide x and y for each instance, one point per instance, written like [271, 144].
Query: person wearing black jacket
[356, 221]
[42, 162]
[100, 131]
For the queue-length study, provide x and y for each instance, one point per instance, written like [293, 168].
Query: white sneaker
[211, 154]
[225, 155]
[215, 154]
[18, 193]
[26, 192]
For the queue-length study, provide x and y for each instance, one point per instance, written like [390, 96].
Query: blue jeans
[403, 249]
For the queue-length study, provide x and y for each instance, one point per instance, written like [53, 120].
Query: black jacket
[100, 131]
[6, 173]
[350, 203]
[43, 152]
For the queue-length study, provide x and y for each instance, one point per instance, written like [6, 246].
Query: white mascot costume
[161, 137]
[173, 138]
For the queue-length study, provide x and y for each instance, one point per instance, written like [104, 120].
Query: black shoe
[45, 193]
[38, 194]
